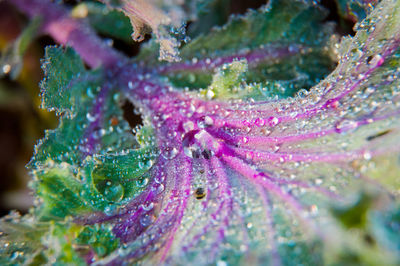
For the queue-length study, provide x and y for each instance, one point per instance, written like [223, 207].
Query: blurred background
[23, 122]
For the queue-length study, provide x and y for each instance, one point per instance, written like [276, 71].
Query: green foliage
[32, 242]
[356, 214]
[57, 91]
[295, 52]
[111, 23]
[98, 237]
[356, 10]
[69, 181]
[227, 79]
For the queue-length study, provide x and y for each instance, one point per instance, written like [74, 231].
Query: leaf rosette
[250, 151]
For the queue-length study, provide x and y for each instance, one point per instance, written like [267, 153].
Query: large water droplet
[196, 144]
[110, 189]
[114, 192]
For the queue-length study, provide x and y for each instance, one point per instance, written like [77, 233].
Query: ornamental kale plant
[269, 139]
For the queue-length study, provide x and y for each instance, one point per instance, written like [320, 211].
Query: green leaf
[111, 23]
[296, 50]
[61, 67]
[92, 161]
[356, 10]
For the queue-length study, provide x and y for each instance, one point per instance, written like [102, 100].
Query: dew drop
[222, 263]
[16, 254]
[188, 126]
[6, 68]
[332, 103]
[205, 121]
[145, 220]
[169, 152]
[89, 92]
[375, 61]
[147, 206]
[90, 117]
[273, 121]
[210, 94]
[345, 125]
[142, 182]
[160, 189]
[259, 122]
[113, 191]
[367, 155]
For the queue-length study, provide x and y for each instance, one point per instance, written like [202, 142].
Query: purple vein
[276, 259]
[206, 207]
[262, 156]
[226, 195]
[270, 52]
[256, 177]
[185, 193]
[351, 85]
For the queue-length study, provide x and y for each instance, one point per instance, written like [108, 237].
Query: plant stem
[71, 32]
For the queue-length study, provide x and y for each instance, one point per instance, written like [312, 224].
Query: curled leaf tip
[156, 18]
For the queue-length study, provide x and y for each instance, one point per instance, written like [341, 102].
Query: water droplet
[332, 103]
[114, 192]
[345, 125]
[109, 210]
[197, 144]
[205, 121]
[222, 263]
[192, 151]
[210, 94]
[147, 206]
[6, 68]
[314, 209]
[375, 61]
[273, 121]
[188, 126]
[160, 188]
[89, 92]
[259, 122]
[110, 189]
[142, 182]
[169, 152]
[159, 179]
[145, 220]
[90, 117]
[16, 254]
[367, 155]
